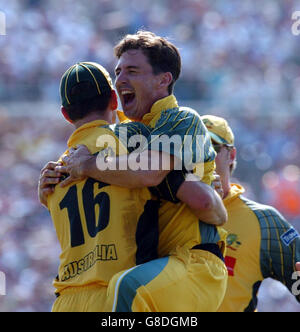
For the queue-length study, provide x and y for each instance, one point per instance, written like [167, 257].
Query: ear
[65, 114]
[232, 155]
[165, 79]
[113, 100]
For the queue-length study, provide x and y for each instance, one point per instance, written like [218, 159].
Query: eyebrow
[128, 67]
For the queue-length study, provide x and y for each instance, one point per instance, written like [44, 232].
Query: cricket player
[260, 243]
[97, 240]
[147, 69]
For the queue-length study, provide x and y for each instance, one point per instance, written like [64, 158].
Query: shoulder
[180, 119]
[262, 211]
[272, 223]
[179, 113]
[184, 112]
[189, 111]
[131, 128]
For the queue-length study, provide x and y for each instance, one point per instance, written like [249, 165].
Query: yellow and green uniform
[178, 226]
[186, 279]
[100, 227]
[260, 244]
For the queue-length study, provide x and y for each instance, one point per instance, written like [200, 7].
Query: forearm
[216, 214]
[117, 172]
[204, 201]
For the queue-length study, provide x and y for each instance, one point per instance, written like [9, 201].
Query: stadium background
[240, 61]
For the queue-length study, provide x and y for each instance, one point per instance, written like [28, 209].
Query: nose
[120, 79]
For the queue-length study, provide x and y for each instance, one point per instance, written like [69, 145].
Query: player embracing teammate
[175, 260]
[146, 239]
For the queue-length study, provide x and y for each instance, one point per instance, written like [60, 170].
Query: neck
[161, 96]
[105, 116]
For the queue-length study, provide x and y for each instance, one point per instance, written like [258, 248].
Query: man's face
[137, 86]
[224, 159]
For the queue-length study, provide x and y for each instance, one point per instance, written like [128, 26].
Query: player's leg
[89, 298]
[188, 280]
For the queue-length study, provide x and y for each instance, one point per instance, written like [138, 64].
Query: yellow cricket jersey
[191, 144]
[102, 229]
[260, 244]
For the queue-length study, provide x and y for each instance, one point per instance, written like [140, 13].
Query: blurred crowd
[28, 247]
[240, 61]
[240, 53]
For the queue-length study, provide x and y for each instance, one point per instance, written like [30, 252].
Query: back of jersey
[98, 225]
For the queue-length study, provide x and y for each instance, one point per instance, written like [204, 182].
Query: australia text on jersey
[296, 25]
[103, 252]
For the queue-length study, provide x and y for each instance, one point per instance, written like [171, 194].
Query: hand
[74, 164]
[47, 181]
[217, 185]
[298, 268]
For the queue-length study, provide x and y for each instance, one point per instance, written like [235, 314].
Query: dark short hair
[162, 55]
[81, 109]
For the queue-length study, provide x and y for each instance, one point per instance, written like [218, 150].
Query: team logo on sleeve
[232, 242]
[288, 237]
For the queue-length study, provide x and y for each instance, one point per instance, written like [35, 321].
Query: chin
[131, 114]
[134, 118]
[128, 113]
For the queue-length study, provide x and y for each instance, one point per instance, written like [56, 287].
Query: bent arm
[136, 170]
[204, 201]
[123, 177]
